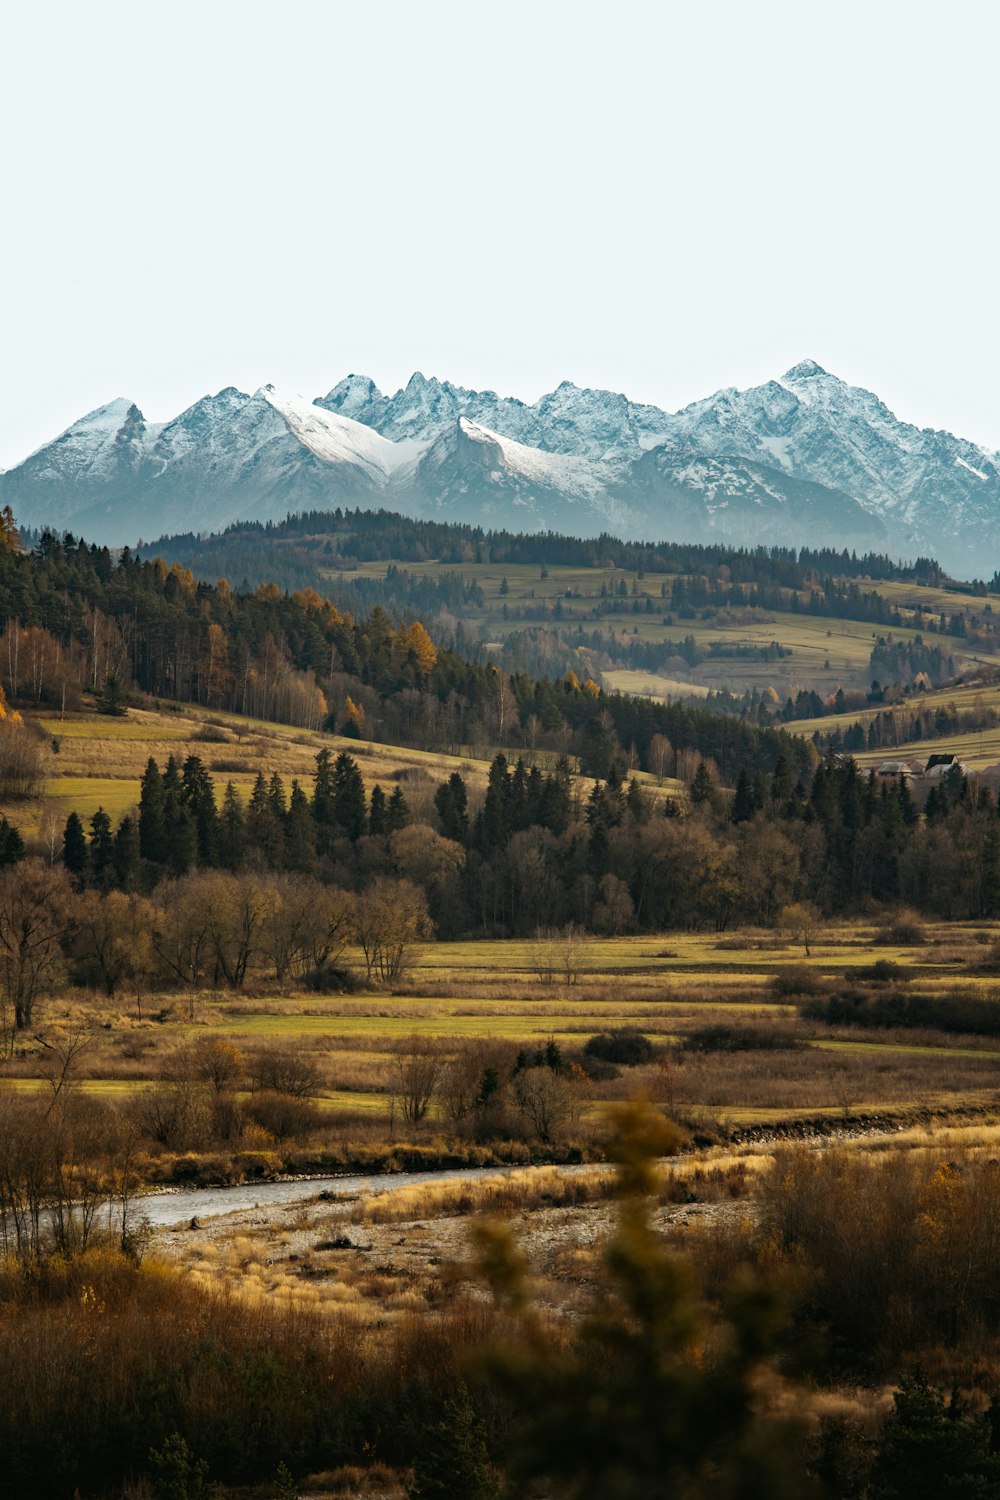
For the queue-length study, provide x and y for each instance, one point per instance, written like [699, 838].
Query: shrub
[796, 979]
[764, 1038]
[882, 971]
[330, 980]
[283, 1116]
[902, 929]
[626, 1046]
[281, 1070]
[956, 1013]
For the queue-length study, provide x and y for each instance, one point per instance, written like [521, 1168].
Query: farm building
[940, 766]
[897, 768]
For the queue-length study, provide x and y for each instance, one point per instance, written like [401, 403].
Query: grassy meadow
[100, 760]
[512, 995]
[826, 652]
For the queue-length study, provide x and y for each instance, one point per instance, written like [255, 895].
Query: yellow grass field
[100, 761]
[521, 994]
[826, 652]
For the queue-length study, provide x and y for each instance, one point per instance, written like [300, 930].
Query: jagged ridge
[806, 459]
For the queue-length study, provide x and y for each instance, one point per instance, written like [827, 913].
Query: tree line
[533, 853]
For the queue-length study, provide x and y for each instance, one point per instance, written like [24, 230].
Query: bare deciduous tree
[417, 1066]
[390, 918]
[36, 914]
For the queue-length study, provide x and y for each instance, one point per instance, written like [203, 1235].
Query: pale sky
[660, 198]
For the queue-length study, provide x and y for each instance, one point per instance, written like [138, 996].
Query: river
[164, 1209]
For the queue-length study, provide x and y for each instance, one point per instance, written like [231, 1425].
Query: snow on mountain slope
[703, 498]
[469, 471]
[556, 471]
[829, 458]
[92, 447]
[594, 424]
[932, 491]
[336, 439]
[194, 428]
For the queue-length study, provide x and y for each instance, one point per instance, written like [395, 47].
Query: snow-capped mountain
[934, 493]
[803, 460]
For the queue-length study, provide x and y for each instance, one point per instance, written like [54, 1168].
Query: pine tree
[397, 813]
[232, 830]
[350, 807]
[743, 805]
[127, 859]
[102, 850]
[932, 1447]
[300, 833]
[75, 855]
[453, 1462]
[377, 812]
[11, 843]
[152, 841]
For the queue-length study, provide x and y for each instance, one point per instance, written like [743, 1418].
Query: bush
[796, 979]
[326, 980]
[959, 1014]
[766, 1038]
[212, 734]
[903, 929]
[599, 1071]
[626, 1046]
[882, 971]
[283, 1116]
[281, 1070]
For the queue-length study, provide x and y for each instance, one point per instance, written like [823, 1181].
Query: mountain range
[804, 460]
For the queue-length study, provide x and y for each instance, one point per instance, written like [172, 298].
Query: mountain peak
[806, 369]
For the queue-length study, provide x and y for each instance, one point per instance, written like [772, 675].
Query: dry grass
[530, 1188]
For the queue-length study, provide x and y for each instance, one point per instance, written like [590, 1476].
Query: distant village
[936, 768]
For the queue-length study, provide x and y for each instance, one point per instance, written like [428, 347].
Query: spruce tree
[152, 843]
[102, 850]
[76, 855]
[323, 801]
[397, 813]
[300, 833]
[701, 787]
[182, 842]
[453, 1461]
[127, 859]
[349, 805]
[743, 801]
[199, 797]
[11, 843]
[232, 830]
[452, 803]
[265, 827]
[493, 824]
[376, 812]
[276, 796]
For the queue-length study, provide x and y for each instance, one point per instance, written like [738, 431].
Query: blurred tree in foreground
[645, 1398]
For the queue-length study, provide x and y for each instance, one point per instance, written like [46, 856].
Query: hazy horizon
[657, 202]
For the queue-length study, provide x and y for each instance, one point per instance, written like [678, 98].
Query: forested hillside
[78, 620]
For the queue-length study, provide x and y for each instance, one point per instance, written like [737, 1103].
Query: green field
[521, 994]
[826, 652]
